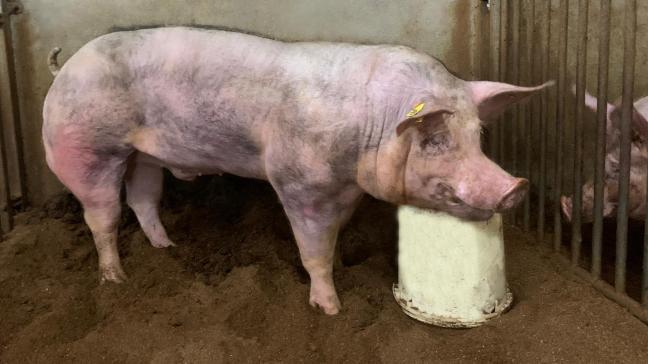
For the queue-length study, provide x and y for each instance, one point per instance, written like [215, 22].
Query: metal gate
[527, 42]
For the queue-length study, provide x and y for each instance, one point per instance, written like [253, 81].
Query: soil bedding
[233, 290]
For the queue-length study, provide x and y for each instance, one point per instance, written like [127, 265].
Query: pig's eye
[436, 142]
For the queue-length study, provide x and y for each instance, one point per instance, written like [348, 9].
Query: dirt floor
[233, 291]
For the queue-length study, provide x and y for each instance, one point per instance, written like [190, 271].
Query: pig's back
[210, 99]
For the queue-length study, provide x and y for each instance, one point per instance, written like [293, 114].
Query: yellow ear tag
[415, 110]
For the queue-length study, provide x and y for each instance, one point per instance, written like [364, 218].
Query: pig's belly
[187, 159]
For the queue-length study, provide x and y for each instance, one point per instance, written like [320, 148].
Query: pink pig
[638, 164]
[324, 123]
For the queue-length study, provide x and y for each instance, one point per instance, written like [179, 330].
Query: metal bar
[515, 78]
[484, 26]
[482, 61]
[494, 56]
[6, 208]
[544, 112]
[528, 129]
[629, 45]
[560, 117]
[9, 8]
[522, 115]
[608, 291]
[581, 65]
[601, 121]
[503, 27]
[644, 275]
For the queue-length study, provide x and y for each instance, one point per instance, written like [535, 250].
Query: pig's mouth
[458, 207]
[479, 215]
[462, 210]
[511, 198]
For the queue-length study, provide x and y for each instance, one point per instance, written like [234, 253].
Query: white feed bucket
[450, 271]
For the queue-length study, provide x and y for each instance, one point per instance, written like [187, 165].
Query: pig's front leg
[316, 220]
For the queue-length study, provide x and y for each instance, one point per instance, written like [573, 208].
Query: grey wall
[442, 28]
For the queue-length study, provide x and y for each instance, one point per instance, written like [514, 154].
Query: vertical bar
[601, 121]
[644, 275]
[522, 112]
[503, 59]
[560, 117]
[581, 65]
[515, 76]
[477, 41]
[528, 129]
[544, 112]
[495, 53]
[629, 45]
[6, 208]
[13, 95]
[486, 26]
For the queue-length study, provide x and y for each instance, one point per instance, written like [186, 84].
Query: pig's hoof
[162, 243]
[329, 304]
[112, 274]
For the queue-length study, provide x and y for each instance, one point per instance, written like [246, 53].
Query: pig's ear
[422, 116]
[592, 102]
[639, 122]
[492, 98]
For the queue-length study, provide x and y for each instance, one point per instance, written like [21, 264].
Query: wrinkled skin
[638, 163]
[324, 123]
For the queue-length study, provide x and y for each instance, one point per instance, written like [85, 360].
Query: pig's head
[433, 158]
[639, 160]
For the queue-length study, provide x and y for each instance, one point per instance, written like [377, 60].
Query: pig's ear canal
[492, 98]
[422, 117]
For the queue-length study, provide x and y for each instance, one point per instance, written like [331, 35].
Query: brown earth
[233, 291]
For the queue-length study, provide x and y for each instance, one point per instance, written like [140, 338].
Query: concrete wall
[442, 28]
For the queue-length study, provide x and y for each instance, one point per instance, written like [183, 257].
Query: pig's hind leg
[95, 179]
[143, 193]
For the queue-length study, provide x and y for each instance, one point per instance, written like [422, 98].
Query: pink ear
[592, 102]
[492, 98]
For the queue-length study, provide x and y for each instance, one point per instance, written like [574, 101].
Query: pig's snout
[514, 195]
[566, 205]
